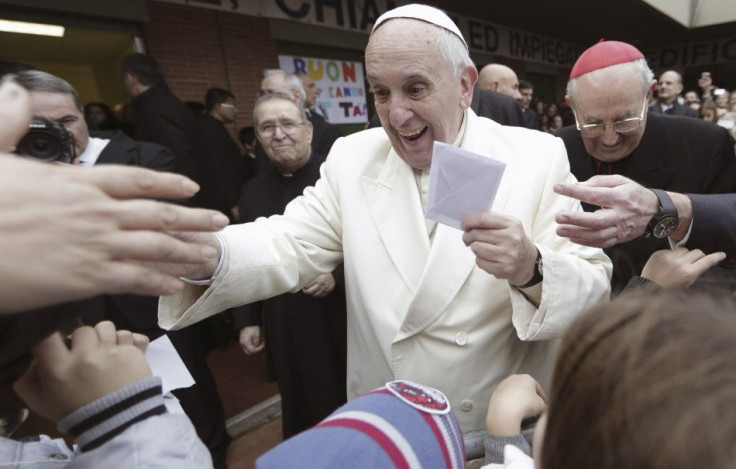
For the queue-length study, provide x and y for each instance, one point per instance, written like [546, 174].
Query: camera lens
[40, 145]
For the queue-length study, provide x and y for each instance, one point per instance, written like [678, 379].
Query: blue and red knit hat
[401, 425]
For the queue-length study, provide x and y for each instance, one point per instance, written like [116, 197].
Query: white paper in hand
[460, 183]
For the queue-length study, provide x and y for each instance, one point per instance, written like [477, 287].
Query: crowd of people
[549, 330]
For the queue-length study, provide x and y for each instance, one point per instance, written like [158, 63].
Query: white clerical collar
[90, 154]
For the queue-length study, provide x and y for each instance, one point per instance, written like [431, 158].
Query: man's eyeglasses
[288, 126]
[623, 126]
[228, 105]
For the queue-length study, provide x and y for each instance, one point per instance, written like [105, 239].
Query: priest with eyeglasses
[609, 91]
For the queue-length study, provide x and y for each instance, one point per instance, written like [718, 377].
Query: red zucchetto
[604, 54]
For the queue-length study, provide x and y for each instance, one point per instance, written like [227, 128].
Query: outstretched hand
[679, 267]
[68, 232]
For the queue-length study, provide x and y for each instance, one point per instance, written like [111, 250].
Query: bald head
[499, 78]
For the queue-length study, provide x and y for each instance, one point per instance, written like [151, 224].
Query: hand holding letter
[500, 245]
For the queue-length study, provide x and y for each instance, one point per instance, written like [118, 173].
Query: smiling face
[288, 150]
[418, 97]
[605, 96]
[669, 87]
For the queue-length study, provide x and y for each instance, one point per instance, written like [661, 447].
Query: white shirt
[90, 154]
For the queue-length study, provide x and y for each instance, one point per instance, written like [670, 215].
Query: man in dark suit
[222, 166]
[609, 89]
[56, 100]
[526, 90]
[496, 83]
[305, 332]
[669, 89]
[160, 116]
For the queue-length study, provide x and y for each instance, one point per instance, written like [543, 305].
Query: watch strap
[666, 207]
[537, 277]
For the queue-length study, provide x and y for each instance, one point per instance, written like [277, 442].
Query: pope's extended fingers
[146, 246]
[106, 332]
[128, 182]
[161, 216]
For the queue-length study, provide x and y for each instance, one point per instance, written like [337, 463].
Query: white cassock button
[466, 405]
[461, 338]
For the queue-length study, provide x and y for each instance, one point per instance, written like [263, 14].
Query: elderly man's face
[285, 138]
[606, 96]
[59, 107]
[418, 98]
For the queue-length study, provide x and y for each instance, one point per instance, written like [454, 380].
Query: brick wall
[200, 49]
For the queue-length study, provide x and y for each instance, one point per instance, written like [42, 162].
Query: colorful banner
[342, 95]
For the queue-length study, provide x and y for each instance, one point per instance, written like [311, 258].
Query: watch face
[665, 226]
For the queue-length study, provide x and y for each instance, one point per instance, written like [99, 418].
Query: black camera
[47, 141]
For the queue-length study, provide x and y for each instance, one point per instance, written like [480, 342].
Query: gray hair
[452, 50]
[646, 75]
[36, 80]
[280, 96]
[292, 81]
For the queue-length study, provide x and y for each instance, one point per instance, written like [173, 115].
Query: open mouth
[414, 134]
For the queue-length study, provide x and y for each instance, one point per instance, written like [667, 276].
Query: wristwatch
[665, 221]
[538, 272]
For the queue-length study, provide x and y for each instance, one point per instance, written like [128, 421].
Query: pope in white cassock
[456, 310]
